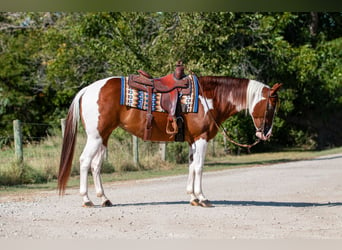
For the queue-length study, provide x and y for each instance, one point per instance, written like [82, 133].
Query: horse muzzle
[263, 137]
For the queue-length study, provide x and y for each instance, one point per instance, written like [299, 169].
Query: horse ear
[275, 88]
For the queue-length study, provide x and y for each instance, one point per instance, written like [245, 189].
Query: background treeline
[45, 58]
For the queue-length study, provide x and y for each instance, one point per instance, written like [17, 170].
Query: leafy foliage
[45, 58]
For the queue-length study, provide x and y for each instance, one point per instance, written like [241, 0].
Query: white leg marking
[91, 148]
[194, 186]
[96, 165]
[191, 178]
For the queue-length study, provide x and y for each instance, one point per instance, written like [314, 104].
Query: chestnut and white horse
[98, 106]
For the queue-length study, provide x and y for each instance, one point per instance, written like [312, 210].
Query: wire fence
[31, 132]
[45, 130]
[24, 133]
[39, 161]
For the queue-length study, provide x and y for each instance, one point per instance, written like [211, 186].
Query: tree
[45, 58]
[19, 73]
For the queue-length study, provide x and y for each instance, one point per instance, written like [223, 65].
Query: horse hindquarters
[93, 153]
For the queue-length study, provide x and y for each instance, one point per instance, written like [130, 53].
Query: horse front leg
[191, 178]
[194, 185]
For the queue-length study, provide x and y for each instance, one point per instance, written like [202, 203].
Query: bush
[21, 173]
[178, 152]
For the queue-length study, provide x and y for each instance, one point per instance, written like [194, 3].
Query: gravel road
[297, 200]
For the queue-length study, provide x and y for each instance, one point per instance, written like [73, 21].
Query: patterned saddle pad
[139, 99]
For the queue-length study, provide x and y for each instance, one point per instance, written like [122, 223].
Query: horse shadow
[230, 203]
[276, 203]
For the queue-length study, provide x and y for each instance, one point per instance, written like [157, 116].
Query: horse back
[111, 114]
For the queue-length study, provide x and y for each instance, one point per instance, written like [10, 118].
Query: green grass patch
[212, 164]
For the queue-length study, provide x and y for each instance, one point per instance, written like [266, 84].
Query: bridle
[267, 110]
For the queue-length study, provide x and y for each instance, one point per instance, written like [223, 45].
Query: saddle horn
[179, 71]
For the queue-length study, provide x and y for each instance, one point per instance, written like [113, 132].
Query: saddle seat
[171, 87]
[163, 84]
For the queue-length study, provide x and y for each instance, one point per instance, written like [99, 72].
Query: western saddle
[171, 87]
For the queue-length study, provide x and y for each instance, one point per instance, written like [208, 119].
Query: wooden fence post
[162, 150]
[213, 151]
[135, 150]
[18, 141]
[225, 144]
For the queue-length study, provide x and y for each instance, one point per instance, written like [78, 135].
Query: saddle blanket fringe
[139, 99]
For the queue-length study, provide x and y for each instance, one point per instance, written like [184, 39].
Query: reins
[225, 133]
[248, 146]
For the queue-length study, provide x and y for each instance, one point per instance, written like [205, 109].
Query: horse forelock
[226, 90]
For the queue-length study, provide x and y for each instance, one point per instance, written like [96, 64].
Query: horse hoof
[107, 203]
[88, 204]
[205, 203]
[195, 202]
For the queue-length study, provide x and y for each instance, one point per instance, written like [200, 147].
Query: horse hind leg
[91, 149]
[96, 165]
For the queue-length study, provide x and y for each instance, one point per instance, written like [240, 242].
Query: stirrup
[171, 126]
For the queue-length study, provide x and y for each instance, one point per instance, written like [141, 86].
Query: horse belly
[134, 121]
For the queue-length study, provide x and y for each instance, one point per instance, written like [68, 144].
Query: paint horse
[98, 106]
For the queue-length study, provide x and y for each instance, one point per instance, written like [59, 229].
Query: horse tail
[69, 141]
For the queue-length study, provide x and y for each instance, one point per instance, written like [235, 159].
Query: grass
[268, 158]
[41, 162]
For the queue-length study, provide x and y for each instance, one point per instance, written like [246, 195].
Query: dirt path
[291, 200]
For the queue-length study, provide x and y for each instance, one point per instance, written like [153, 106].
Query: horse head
[264, 110]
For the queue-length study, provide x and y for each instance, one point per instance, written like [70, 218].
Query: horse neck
[229, 94]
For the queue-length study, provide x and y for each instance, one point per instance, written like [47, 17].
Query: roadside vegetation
[39, 169]
[47, 57]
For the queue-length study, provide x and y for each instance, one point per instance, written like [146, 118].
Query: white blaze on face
[206, 103]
